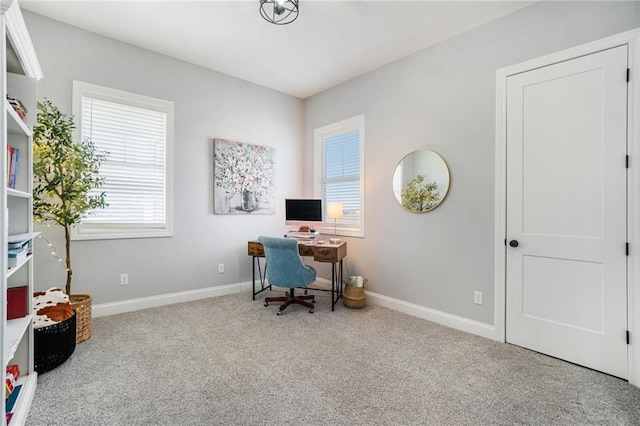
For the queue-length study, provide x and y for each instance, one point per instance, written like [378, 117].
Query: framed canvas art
[243, 179]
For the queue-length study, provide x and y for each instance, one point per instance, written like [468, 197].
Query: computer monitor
[303, 212]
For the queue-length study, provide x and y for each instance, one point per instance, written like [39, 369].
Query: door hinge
[505, 241]
[626, 162]
[627, 249]
[628, 337]
[628, 74]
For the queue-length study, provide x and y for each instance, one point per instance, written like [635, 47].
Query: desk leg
[340, 280]
[253, 280]
[333, 286]
[336, 283]
[262, 276]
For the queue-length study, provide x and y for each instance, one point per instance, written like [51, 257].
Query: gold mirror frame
[421, 181]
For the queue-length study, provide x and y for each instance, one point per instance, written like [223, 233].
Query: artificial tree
[65, 175]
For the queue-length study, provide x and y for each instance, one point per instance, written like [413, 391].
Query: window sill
[328, 231]
[117, 233]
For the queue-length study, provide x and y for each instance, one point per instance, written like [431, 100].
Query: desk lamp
[334, 211]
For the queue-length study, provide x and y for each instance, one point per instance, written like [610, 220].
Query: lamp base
[335, 240]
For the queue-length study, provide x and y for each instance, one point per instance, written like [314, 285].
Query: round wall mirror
[421, 181]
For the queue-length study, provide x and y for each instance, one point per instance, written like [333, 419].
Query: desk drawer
[330, 253]
[255, 249]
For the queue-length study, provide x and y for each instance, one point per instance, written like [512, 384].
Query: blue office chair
[285, 269]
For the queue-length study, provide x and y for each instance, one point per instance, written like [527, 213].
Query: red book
[16, 302]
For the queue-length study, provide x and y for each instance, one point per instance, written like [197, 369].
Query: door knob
[514, 243]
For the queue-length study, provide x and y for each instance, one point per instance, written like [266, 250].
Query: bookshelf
[19, 73]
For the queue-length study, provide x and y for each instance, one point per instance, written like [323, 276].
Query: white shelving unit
[19, 73]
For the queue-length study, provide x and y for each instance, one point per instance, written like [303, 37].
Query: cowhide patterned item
[50, 307]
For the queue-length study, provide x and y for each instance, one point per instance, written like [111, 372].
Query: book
[11, 378]
[17, 257]
[14, 171]
[10, 158]
[12, 165]
[14, 371]
[20, 111]
[18, 245]
[11, 401]
[24, 236]
[16, 302]
[17, 106]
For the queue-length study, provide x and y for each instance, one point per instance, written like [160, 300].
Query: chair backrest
[284, 265]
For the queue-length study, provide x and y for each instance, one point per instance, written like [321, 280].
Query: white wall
[207, 105]
[443, 98]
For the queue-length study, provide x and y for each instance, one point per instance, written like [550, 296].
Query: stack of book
[12, 165]
[18, 252]
[303, 235]
[12, 389]
[17, 106]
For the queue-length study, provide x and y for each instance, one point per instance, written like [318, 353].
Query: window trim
[319, 134]
[110, 231]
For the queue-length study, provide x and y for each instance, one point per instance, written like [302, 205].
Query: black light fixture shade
[279, 12]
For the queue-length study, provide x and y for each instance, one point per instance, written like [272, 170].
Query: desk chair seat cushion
[285, 267]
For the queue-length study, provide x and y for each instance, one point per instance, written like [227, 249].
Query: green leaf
[420, 196]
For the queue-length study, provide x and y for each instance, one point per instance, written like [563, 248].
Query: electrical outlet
[124, 279]
[477, 297]
[221, 268]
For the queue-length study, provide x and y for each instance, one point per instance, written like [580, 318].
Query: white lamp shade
[334, 211]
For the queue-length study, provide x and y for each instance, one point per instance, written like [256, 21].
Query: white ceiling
[330, 42]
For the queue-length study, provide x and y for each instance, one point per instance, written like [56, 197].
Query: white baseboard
[131, 305]
[453, 321]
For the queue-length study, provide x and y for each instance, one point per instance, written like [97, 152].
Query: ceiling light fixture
[279, 12]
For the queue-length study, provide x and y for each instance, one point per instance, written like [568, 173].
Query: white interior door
[566, 288]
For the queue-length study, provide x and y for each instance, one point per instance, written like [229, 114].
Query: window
[137, 133]
[339, 173]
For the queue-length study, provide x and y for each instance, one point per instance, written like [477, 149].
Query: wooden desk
[325, 253]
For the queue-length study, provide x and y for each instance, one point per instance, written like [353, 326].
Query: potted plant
[64, 192]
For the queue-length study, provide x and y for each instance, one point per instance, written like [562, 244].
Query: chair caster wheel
[266, 303]
[279, 313]
[310, 311]
[313, 301]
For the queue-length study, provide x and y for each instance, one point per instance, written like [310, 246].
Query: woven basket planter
[81, 303]
[353, 297]
[53, 344]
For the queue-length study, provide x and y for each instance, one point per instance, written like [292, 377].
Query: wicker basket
[81, 303]
[353, 297]
[53, 344]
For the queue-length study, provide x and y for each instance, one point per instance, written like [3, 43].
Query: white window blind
[340, 174]
[135, 135]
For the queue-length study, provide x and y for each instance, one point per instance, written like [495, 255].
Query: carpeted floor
[231, 361]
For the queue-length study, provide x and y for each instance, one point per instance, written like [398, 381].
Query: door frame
[632, 39]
